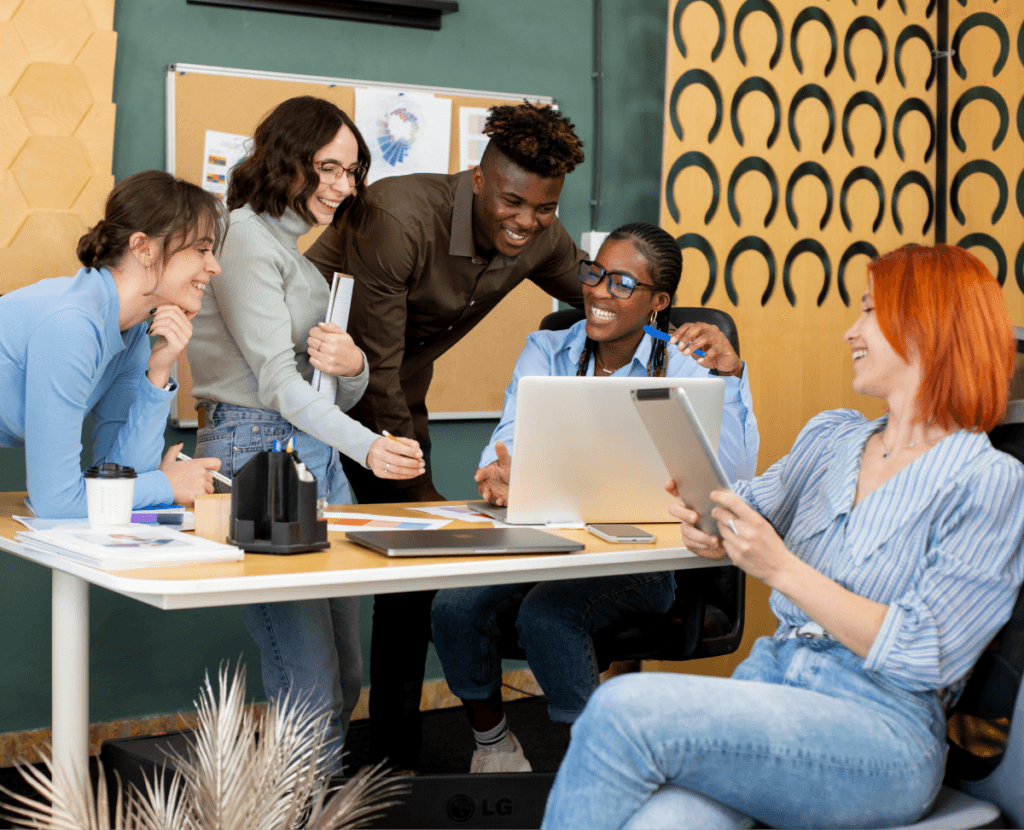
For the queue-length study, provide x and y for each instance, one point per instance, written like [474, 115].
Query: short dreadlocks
[539, 139]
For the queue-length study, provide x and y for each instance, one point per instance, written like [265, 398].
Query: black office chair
[706, 618]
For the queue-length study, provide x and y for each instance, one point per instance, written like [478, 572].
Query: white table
[342, 570]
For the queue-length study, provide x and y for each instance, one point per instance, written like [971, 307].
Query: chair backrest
[558, 320]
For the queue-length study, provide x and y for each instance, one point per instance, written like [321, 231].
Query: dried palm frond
[241, 771]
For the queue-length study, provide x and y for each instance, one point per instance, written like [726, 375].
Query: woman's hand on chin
[173, 329]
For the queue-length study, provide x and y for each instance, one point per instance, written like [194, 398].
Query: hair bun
[95, 245]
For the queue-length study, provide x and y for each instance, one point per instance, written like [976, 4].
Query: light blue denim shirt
[62, 356]
[557, 354]
[941, 543]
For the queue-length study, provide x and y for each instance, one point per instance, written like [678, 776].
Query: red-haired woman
[895, 550]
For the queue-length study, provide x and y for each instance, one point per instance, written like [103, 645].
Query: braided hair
[665, 265]
[539, 139]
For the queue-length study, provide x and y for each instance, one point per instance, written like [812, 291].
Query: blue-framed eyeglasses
[619, 285]
[331, 172]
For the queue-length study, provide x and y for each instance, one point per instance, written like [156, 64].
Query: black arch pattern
[983, 93]
[856, 175]
[677, 26]
[818, 93]
[755, 84]
[903, 5]
[705, 79]
[921, 180]
[750, 243]
[809, 168]
[869, 98]
[913, 105]
[983, 240]
[807, 246]
[969, 169]
[990, 21]
[856, 249]
[694, 158]
[1018, 267]
[820, 16]
[753, 163]
[698, 242]
[859, 25]
[1020, 194]
[1020, 107]
[749, 7]
[909, 33]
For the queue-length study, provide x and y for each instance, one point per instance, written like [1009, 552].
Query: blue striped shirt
[557, 354]
[941, 543]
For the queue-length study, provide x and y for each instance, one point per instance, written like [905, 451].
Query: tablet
[684, 447]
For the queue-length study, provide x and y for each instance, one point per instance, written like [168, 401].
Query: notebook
[475, 541]
[581, 453]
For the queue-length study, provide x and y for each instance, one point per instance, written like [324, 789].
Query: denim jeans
[554, 624]
[805, 739]
[308, 647]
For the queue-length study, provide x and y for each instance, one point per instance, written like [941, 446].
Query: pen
[666, 337]
[217, 476]
[387, 434]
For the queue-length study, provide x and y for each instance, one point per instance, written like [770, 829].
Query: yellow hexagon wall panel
[14, 132]
[56, 131]
[53, 98]
[51, 171]
[13, 57]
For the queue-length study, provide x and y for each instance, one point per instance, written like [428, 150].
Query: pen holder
[272, 509]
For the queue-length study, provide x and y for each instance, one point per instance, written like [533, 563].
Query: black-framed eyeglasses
[331, 172]
[619, 285]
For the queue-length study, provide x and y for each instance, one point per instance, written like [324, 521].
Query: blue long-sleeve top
[941, 543]
[557, 354]
[62, 356]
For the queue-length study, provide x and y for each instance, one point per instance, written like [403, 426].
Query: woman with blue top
[900, 556]
[75, 346]
[258, 339]
[630, 284]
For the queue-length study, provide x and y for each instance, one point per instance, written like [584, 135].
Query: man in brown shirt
[441, 252]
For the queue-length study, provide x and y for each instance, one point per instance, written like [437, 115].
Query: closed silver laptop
[475, 541]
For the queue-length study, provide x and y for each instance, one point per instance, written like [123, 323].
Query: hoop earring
[654, 318]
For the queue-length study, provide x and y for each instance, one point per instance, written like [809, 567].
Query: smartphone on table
[621, 533]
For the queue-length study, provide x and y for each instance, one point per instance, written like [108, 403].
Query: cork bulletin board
[201, 98]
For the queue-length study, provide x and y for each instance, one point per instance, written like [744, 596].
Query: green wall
[146, 661]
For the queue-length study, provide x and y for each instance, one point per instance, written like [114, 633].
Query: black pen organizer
[272, 509]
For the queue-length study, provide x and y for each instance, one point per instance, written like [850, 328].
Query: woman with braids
[259, 338]
[75, 346]
[439, 253]
[630, 284]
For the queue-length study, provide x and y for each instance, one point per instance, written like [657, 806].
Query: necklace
[889, 452]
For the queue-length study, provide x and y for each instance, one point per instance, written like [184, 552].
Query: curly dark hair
[665, 265]
[160, 206]
[539, 139]
[284, 143]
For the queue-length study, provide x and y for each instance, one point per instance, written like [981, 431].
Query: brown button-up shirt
[421, 285]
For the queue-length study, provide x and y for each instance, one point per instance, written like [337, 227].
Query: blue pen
[666, 337]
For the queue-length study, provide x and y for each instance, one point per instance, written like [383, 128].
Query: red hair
[944, 306]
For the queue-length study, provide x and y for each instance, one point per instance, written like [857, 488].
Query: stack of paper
[137, 546]
[338, 307]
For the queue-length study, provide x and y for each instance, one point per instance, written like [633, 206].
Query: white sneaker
[501, 760]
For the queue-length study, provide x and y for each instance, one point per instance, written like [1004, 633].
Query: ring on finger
[387, 467]
[732, 527]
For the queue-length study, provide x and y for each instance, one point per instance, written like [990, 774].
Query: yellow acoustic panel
[53, 98]
[102, 12]
[8, 8]
[96, 60]
[13, 57]
[51, 171]
[96, 134]
[53, 30]
[90, 202]
[14, 132]
[43, 247]
[15, 208]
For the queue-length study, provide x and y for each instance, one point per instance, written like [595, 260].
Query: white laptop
[581, 453]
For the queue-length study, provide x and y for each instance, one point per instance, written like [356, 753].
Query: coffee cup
[109, 490]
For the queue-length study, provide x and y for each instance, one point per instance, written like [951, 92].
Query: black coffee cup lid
[110, 470]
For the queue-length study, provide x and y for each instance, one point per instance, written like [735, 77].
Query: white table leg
[70, 684]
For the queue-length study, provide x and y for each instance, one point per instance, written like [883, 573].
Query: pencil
[387, 434]
[216, 476]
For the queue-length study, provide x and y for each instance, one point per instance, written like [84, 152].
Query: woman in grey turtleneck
[254, 347]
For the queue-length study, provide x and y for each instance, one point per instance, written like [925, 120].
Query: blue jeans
[800, 736]
[309, 647]
[555, 624]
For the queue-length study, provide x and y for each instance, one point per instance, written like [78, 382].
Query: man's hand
[492, 480]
